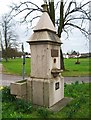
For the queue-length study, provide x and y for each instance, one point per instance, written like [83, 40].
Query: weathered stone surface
[44, 37]
[55, 95]
[41, 61]
[18, 88]
[60, 104]
[29, 89]
[45, 23]
[44, 92]
[37, 92]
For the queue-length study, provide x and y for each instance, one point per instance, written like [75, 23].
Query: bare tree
[8, 34]
[64, 15]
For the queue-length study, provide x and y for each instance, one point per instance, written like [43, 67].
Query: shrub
[6, 96]
[77, 82]
[65, 84]
[43, 112]
[23, 106]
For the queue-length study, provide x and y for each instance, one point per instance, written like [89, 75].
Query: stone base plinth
[61, 104]
[45, 92]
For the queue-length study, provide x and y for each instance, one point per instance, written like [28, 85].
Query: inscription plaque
[56, 85]
[54, 53]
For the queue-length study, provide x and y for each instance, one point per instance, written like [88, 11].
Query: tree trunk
[6, 44]
[60, 27]
[52, 11]
[62, 67]
[6, 58]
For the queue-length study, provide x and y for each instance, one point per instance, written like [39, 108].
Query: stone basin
[55, 72]
[18, 88]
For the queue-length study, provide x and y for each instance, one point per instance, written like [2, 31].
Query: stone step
[59, 105]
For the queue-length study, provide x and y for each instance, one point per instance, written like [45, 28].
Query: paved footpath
[70, 80]
[6, 79]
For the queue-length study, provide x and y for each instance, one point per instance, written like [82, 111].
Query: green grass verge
[77, 108]
[14, 66]
[72, 69]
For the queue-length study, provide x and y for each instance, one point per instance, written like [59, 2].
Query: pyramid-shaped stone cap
[45, 23]
[44, 32]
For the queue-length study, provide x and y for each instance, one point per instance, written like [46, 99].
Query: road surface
[7, 79]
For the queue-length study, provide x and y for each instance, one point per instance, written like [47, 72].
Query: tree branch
[83, 31]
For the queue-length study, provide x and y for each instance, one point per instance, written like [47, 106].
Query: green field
[77, 108]
[82, 69]
[14, 66]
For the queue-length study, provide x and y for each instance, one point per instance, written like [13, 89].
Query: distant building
[85, 55]
[28, 56]
[65, 55]
[74, 54]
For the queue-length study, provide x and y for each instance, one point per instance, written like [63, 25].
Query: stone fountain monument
[45, 87]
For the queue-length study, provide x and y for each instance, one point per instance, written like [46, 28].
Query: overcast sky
[76, 40]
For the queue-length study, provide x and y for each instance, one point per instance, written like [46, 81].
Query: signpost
[23, 63]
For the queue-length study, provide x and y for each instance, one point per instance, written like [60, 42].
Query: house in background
[65, 55]
[27, 55]
[85, 55]
[73, 54]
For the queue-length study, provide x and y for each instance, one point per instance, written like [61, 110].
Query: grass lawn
[77, 108]
[72, 69]
[14, 66]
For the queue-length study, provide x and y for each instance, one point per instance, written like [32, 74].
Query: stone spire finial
[44, 6]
